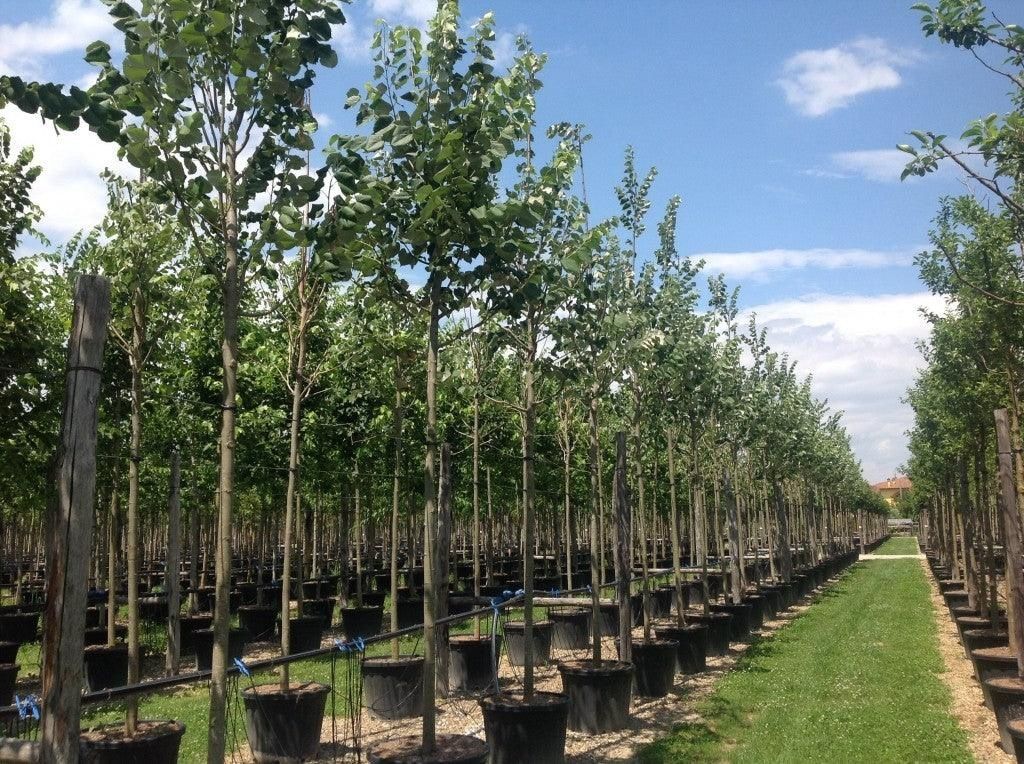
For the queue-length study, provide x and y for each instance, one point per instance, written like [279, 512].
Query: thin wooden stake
[68, 571]
[173, 567]
[623, 519]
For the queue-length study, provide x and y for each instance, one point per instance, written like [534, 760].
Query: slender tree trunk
[173, 567]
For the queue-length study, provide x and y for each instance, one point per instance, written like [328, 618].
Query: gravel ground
[968, 705]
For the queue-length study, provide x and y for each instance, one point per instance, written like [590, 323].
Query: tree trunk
[172, 574]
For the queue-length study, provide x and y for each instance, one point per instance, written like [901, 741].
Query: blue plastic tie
[35, 707]
[242, 668]
[341, 646]
[360, 644]
[20, 705]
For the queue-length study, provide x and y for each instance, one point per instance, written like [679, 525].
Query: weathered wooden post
[623, 519]
[173, 567]
[71, 527]
[1012, 525]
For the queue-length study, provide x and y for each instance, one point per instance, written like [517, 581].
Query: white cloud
[816, 82]
[71, 25]
[69, 189]
[880, 165]
[417, 12]
[861, 351]
[762, 262]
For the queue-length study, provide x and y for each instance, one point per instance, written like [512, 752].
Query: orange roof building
[892, 489]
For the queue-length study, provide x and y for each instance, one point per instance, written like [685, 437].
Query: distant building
[892, 489]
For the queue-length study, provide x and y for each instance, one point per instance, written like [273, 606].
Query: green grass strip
[853, 679]
[899, 545]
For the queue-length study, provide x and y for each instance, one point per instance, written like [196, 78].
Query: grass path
[899, 545]
[853, 679]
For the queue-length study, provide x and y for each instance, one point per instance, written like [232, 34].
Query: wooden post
[623, 519]
[173, 567]
[442, 569]
[71, 527]
[1012, 525]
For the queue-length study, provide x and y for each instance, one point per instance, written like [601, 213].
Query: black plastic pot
[98, 636]
[719, 631]
[19, 627]
[361, 621]
[155, 742]
[393, 689]
[305, 634]
[739, 626]
[598, 693]
[692, 641]
[322, 609]
[284, 725]
[106, 667]
[93, 617]
[202, 645]
[976, 639]
[515, 642]
[609, 619]
[654, 667]
[189, 625]
[448, 749]
[571, 630]
[520, 732]
[258, 620]
[9, 652]
[470, 667]
[1007, 694]
[8, 679]
[1015, 729]
[153, 609]
[248, 592]
[410, 612]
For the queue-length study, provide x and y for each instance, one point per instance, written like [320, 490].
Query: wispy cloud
[861, 352]
[880, 165]
[816, 82]
[70, 25]
[417, 12]
[760, 263]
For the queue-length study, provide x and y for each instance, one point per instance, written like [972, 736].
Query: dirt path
[968, 705]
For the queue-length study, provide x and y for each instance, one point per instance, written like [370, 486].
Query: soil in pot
[258, 620]
[515, 642]
[692, 640]
[393, 688]
[306, 633]
[284, 725]
[449, 749]
[202, 644]
[106, 667]
[470, 663]
[599, 694]
[571, 630]
[519, 732]
[8, 679]
[361, 621]
[654, 667]
[154, 742]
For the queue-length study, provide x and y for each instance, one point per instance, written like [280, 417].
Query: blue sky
[775, 121]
